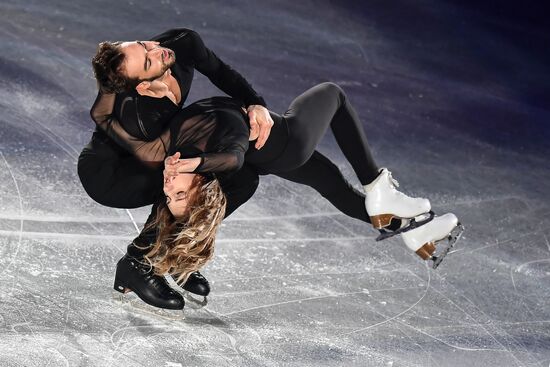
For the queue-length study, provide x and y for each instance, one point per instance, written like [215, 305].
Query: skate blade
[193, 301]
[385, 234]
[132, 303]
[452, 238]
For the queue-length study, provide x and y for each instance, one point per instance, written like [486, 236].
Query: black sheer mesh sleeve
[195, 133]
[220, 145]
[146, 151]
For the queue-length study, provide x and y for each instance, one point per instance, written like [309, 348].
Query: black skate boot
[133, 275]
[196, 283]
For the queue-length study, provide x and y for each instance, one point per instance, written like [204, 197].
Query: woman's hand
[173, 165]
[170, 168]
[187, 165]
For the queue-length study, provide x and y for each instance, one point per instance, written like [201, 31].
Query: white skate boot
[383, 203]
[422, 240]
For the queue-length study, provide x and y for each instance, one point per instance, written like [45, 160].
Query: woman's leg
[239, 187]
[309, 116]
[325, 177]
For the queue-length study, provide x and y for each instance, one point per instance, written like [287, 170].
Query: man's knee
[93, 180]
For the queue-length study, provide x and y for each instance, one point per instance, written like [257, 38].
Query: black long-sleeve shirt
[152, 128]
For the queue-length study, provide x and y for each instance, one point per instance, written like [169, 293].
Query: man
[152, 80]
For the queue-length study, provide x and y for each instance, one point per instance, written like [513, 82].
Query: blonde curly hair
[185, 244]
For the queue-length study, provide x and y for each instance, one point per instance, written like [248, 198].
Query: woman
[212, 149]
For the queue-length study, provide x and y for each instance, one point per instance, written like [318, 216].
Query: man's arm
[188, 45]
[233, 83]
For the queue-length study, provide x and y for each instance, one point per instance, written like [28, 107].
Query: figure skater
[115, 178]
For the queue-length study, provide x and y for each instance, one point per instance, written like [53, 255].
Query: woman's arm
[146, 151]
[217, 147]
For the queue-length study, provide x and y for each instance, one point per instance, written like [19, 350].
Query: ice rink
[454, 99]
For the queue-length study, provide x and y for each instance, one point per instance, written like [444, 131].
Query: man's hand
[260, 124]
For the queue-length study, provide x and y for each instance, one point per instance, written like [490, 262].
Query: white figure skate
[383, 203]
[422, 240]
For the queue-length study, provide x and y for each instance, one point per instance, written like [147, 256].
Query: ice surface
[453, 102]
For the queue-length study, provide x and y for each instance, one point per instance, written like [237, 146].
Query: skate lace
[393, 180]
[394, 184]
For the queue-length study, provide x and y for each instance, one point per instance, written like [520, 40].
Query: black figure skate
[157, 296]
[197, 284]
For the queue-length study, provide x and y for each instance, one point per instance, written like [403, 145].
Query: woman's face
[178, 190]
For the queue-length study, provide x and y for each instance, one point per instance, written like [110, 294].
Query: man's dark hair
[108, 71]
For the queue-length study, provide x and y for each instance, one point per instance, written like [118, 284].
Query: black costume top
[153, 128]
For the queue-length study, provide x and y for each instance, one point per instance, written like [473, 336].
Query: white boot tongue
[404, 222]
[370, 185]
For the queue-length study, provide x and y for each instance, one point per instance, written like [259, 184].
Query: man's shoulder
[173, 34]
[125, 105]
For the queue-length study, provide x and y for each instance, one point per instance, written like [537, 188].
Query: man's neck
[172, 84]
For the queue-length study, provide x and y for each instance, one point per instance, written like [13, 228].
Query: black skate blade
[130, 302]
[452, 238]
[384, 234]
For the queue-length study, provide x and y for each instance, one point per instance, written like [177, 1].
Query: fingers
[254, 129]
[168, 173]
[172, 159]
[265, 130]
[187, 165]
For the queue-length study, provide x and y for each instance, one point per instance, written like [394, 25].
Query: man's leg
[239, 187]
[113, 178]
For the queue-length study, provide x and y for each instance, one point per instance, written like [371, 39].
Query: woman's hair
[184, 244]
[108, 65]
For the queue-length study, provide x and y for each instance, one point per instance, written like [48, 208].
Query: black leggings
[306, 121]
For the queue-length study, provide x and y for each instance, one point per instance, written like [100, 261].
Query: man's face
[146, 60]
